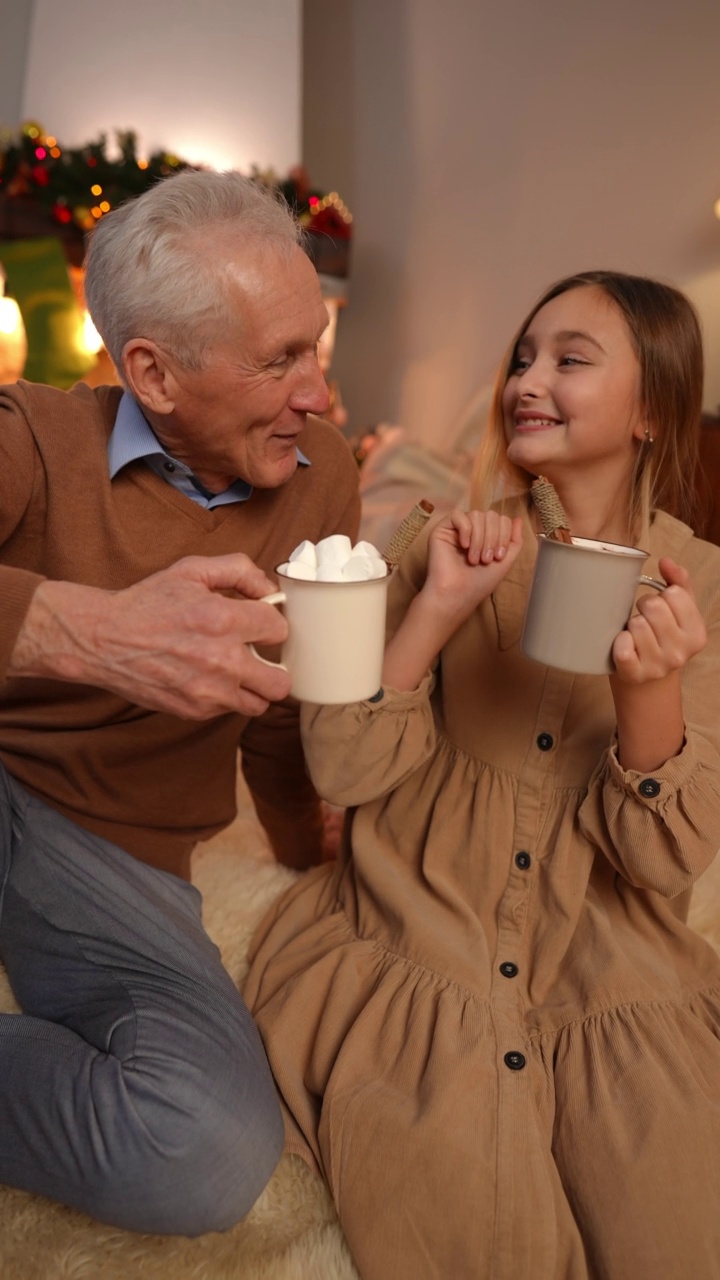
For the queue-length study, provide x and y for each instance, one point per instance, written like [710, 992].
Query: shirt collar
[132, 438]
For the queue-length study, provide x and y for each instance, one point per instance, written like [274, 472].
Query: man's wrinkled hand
[174, 642]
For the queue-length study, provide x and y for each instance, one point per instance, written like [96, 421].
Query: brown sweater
[150, 782]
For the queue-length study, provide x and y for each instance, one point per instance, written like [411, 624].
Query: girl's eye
[571, 360]
[519, 364]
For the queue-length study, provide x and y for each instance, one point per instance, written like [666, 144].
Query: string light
[332, 199]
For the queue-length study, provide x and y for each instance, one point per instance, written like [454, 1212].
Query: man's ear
[148, 375]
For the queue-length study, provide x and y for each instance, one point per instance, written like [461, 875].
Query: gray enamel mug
[581, 597]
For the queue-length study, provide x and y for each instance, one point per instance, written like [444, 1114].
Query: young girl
[491, 1028]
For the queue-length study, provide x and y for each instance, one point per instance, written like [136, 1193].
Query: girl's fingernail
[500, 553]
[488, 555]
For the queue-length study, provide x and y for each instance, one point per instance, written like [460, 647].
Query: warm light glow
[142, 164]
[91, 339]
[40, 152]
[96, 211]
[50, 141]
[10, 318]
[13, 342]
[334, 200]
[326, 345]
[55, 152]
[716, 208]
[104, 205]
[96, 189]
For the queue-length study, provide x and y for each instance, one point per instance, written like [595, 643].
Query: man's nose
[311, 394]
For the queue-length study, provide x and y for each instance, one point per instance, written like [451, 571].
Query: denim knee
[205, 1178]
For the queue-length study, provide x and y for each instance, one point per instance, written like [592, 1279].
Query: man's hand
[171, 642]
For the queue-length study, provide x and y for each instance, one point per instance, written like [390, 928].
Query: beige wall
[495, 147]
[216, 81]
[328, 57]
[15, 23]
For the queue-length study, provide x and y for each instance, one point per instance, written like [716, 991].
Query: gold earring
[650, 440]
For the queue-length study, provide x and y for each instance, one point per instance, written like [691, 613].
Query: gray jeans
[134, 1084]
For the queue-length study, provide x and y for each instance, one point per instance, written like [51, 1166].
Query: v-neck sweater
[151, 782]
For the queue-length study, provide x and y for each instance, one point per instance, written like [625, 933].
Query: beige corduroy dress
[491, 1029]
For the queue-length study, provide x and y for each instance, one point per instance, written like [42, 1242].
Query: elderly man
[137, 531]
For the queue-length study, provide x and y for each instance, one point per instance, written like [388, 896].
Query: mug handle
[651, 582]
[277, 597]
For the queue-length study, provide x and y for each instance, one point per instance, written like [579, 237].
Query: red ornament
[331, 223]
[61, 213]
[40, 176]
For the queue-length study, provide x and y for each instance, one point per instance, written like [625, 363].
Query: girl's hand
[469, 553]
[665, 633]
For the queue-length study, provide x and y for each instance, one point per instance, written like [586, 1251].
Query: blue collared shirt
[132, 437]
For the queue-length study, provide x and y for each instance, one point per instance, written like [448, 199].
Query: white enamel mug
[581, 598]
[336, 637]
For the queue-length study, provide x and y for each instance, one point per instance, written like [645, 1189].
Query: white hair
[147, 273]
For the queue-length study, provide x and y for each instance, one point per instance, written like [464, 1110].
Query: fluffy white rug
[292, 1232]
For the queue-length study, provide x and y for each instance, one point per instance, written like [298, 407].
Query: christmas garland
[75, 186]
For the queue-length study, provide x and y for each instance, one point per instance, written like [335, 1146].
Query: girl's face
[572, 400]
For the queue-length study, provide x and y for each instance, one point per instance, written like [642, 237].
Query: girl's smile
[572, 399]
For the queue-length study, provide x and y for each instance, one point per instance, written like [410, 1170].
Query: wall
[495, 148]
[15, 22]
[483, 149]
[215, 81]
[328, 59]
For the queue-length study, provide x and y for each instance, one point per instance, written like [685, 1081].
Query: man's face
[240, 417]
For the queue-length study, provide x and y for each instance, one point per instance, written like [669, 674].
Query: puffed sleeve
[364, 750]
[660, 831]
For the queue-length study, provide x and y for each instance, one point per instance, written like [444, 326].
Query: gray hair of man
[149, 270]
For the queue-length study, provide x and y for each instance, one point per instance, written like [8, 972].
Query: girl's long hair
[665, 334]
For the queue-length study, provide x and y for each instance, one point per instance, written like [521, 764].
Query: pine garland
[75, 186]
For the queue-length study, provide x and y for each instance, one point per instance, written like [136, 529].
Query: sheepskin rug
[292, 1232]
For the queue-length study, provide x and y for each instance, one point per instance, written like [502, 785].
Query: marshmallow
[366, 549]
[336, 550]
[329, 573]
[305, 553]
[298, 569]
[359, 569]
[334, 559]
